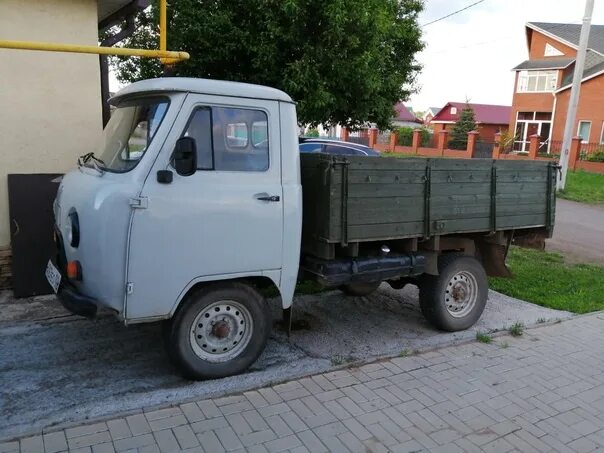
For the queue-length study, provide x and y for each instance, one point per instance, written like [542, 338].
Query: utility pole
[574, 92]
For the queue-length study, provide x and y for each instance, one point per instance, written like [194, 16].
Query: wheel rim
[461, 294]
[221, 331]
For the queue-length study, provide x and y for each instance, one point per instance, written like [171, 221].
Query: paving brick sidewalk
[543, 391]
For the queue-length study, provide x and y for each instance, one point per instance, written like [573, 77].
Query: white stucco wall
[50, 110]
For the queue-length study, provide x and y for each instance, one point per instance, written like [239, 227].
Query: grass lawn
[544, 279]
[584, 187]
[391, 154]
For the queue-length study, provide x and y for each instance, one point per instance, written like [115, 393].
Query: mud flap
[532, 240]
[493, 256]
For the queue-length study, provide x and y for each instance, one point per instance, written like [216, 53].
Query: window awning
[549, 63]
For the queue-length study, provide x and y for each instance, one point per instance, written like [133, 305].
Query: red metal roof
[403, 113]
[483, 113]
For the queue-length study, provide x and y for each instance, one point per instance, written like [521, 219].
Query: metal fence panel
[360, 140]
[484, 150]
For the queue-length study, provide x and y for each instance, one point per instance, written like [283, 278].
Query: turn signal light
[74, 270]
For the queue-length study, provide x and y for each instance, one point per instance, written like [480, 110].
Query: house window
[584, 130]
[602, 135]
[537, 81]
[453, 110]
[551, 51]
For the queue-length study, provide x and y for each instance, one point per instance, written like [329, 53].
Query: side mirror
[184, 157]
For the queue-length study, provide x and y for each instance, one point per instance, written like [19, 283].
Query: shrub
[517, 329]
[552, 156]
[405, 136]
[483, 337]
[598, 156]
[312, 133]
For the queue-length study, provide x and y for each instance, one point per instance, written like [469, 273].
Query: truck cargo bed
[355, 199]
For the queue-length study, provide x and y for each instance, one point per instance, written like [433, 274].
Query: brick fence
[441, 150]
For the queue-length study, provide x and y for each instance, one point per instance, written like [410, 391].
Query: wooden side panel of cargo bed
[355, 199]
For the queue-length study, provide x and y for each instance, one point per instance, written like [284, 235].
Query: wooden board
[30, 198]
[356, 199]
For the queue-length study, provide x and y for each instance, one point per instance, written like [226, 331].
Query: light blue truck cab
[196, 185]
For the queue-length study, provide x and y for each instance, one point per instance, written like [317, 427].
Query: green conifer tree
[465, 124]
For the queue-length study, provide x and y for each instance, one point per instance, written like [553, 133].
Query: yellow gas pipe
[165, 56]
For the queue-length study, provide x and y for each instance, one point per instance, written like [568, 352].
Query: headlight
[73, 230]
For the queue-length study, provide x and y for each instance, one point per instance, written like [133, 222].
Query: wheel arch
[257, 281]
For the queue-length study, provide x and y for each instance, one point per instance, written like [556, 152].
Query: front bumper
[73, 301]
[77, 303]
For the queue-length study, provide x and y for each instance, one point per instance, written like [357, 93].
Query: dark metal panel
[30, 199]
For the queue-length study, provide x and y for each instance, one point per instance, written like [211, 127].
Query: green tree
[343, 61]
[312, 132]
[465, 124]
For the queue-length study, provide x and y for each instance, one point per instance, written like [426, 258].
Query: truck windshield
[129, 133]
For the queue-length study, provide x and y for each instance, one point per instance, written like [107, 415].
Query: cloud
[471, 54]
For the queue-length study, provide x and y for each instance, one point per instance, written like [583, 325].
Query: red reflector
[74, 270]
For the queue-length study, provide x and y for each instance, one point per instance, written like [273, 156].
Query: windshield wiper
[96, 162]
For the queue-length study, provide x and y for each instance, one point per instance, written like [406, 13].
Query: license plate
[53, 276]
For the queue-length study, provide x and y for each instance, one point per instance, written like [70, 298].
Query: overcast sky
[470, 54]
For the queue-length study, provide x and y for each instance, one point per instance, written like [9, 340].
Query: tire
[360, 288]
[455, 299]
[218, 331]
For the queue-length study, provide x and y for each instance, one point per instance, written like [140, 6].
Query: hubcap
[461, 294]
[221, 331]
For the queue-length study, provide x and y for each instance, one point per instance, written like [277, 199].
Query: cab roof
[203, 86]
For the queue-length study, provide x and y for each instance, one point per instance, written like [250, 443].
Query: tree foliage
[465, 124]
[342, 61]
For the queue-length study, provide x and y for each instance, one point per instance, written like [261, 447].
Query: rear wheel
[218, 331]
[360, 288]
[455, 299]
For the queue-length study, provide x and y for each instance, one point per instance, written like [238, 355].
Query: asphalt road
[56, 368]
[579, 232]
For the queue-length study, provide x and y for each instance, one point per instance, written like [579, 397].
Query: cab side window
[230, 139]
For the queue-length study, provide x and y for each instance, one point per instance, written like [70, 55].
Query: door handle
[267, 197]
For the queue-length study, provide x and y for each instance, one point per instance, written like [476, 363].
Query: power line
[453, 13]
[503, 38]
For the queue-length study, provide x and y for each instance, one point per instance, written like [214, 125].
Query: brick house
[404, 116]
[542, 86]
[490, 119]
[429, 114]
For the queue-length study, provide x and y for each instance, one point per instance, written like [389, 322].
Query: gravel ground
[56, 368]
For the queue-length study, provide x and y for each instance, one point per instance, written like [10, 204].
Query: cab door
[223, 221]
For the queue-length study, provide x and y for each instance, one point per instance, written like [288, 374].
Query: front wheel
[218, 331]
[455, 299]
